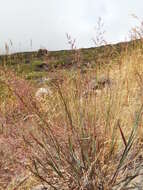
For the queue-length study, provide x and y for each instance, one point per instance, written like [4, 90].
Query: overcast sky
[46, 22]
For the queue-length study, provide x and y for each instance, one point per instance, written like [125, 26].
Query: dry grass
[70, 140]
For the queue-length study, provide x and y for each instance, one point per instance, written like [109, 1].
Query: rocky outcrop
[42, 52]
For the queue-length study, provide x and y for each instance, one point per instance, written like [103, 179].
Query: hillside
[72, 119]
[81, 58]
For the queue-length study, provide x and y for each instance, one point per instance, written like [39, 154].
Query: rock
[42, 52]
[27, 61]
[99, 83]
[42, 67]
[41, 187]
[42, 92]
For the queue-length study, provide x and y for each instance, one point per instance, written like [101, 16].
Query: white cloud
[47, 21]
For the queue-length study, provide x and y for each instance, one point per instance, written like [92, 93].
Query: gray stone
[42, 92]
[96, 85]
[42, 52]
[99, 83]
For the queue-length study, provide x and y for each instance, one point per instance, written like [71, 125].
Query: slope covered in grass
[85, 134]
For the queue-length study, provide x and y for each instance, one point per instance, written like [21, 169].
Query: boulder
[42, 52]
[42, 92]
[42, 67]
